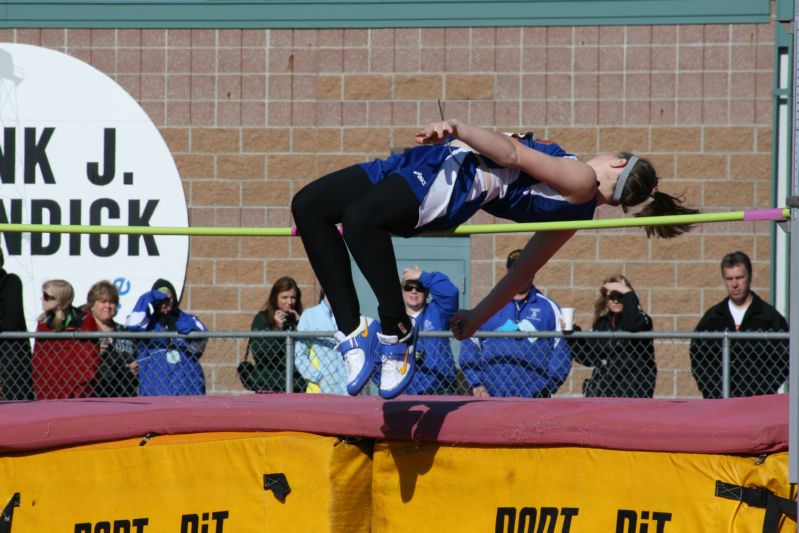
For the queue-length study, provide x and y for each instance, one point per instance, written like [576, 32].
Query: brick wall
[251, 116]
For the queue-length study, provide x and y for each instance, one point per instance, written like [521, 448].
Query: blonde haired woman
[62, 368]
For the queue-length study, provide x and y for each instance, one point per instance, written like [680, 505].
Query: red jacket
[66, 368]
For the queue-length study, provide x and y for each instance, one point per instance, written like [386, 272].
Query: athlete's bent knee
[302, 204]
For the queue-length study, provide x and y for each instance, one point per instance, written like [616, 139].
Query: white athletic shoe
[358, 349]
[398, 362]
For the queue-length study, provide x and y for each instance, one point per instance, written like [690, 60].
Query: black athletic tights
[369, 214]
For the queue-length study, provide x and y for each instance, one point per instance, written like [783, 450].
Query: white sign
[75, 148]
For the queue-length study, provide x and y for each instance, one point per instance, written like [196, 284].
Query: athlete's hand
[436, 132]
[463, 324]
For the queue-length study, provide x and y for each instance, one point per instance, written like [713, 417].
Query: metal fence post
[725, 366]
[289, 363]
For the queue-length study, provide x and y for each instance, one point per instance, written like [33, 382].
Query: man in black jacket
[756, 366]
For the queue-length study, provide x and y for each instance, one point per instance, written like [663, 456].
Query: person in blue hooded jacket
[167, 366]
[435, 365]
[531, 367]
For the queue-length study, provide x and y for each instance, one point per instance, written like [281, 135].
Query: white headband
[625, 173]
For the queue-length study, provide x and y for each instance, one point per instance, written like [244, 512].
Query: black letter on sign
[528, 514]
[37, 246]
[219, 517]
[549, 517]
[503, 514]
[8, 156]
[139, 524]
[109, 160]
[623, 517]
[35, 155]
[85, 527]
[121, 526]
[74, 220]
[135, 219]
[568, 513]
[102, 527]
[661, 519]
[13, 239]
[96, 219]
[189, 523]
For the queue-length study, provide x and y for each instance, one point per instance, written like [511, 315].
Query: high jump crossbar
[773, 214]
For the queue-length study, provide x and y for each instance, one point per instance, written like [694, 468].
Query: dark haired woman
[281, 312]
[460, 169]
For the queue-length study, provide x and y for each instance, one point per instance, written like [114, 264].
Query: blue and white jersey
[453, 183]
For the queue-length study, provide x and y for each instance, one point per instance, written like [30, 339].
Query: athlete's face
[607, 167]
[603, 159]
[609, 161]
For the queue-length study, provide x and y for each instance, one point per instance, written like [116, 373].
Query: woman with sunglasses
[435, 364]
[63, 368]
[458, 170]
[623, 368]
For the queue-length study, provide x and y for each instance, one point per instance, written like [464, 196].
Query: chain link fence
[520, 364]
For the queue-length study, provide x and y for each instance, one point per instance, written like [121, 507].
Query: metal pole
[793, 202]
[289, 363]
[725, 367]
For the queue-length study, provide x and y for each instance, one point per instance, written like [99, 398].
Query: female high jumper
[457, 170]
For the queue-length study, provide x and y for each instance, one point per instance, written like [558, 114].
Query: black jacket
[15, 354]
[756, 367]
[623, 368]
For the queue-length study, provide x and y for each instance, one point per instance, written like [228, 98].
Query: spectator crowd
[509, 365]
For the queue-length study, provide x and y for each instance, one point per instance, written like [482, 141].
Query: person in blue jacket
[435, 365]
[522, 366]
[316, 358]
[458, 170]
[167, 366]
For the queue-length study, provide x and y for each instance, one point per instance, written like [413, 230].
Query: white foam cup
[568, 318]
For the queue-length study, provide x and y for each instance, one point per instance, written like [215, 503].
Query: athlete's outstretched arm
[572, 178]
[539, 249]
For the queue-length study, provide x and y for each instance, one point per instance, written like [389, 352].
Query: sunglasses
[410, 288]
[615, 296]
[47, 298]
